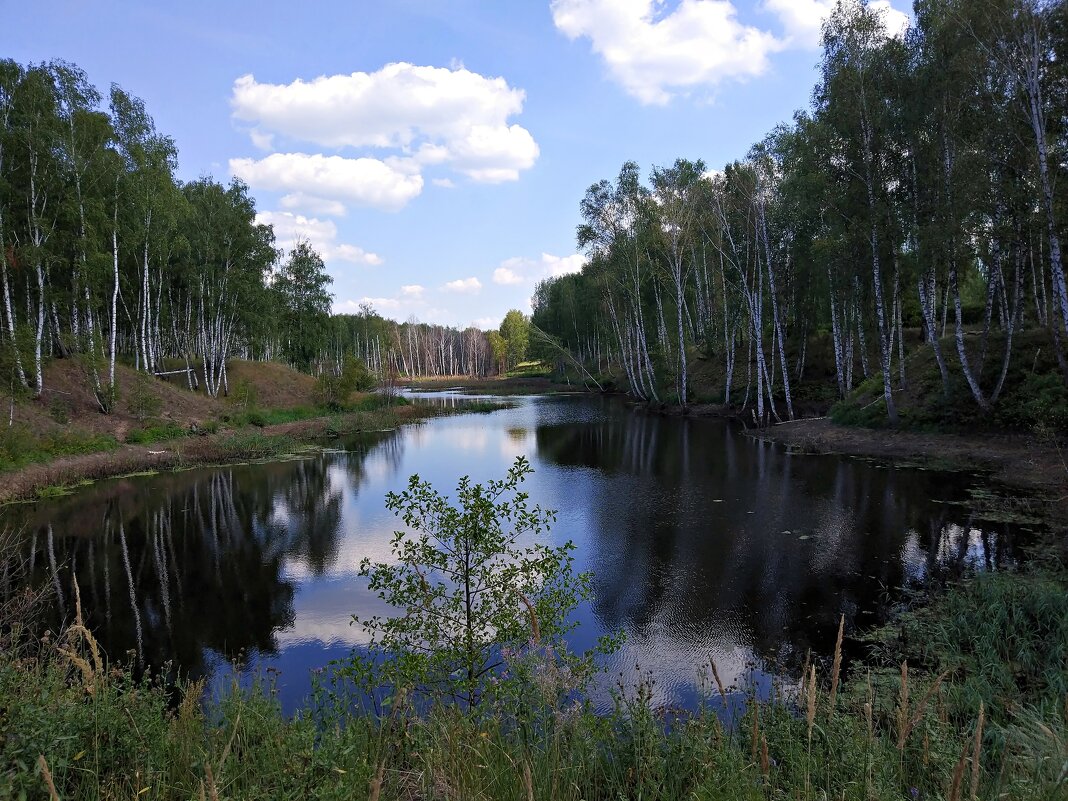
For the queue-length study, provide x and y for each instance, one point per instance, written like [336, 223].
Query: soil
[69, 404]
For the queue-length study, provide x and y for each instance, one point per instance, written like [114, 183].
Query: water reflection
[704, 543]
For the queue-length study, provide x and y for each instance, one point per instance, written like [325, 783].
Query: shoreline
[1016, 461]
[1013, 460]
[233, 446]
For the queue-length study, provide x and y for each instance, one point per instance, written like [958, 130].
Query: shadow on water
[704, 544]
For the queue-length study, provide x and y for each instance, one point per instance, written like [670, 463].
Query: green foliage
[142, 400]
[301, 287]
[1005, 637]
[59, 410]
[19, 446]
[160, 431]
[1039, 401]
[482, 603]
[256, 418]
[244, 395]
[499, 346]
[333, 389]
[362, 379]
[515, 331]
[104, 734]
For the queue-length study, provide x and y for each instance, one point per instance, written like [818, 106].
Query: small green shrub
[157, 432]
[143, 402]
[59, 411]
[256, 418]
[1039, 401]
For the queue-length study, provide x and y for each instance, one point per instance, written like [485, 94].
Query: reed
[836, 667]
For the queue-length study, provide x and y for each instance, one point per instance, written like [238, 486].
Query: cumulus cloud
[322, 234]
[431, 115]
[519, 270]
[365, 181]
[413, 290]
[402, 306]
[463, 285]
[261, 140]
[896, 22]
[803, 20]
[657, 52]
[309, 204]
[506, 276]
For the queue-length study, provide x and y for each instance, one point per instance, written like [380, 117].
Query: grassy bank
[255, 435]
[978, 712]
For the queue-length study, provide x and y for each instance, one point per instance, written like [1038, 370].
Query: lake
[704, 544]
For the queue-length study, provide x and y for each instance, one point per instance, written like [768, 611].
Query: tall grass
[92, 731]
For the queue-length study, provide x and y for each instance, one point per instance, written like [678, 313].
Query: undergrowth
[977, 712]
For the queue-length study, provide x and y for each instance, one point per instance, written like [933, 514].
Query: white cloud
[353, 306]
[463, 285]
[261, 140]
[353, 254]
[657, 51]
[519, 270]
[655, 54]
[322, 234]
[562, 265]
[403, 306]
[431, 115]
[444, 183]
[803, 19]
[506, 276]
[309, 204]
[486, 323]
[896, 22]
[365, 181]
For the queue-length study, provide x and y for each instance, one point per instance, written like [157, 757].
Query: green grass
[156, 432]
[998, 639]
[20, 447]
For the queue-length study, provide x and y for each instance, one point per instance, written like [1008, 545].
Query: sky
[435, 151]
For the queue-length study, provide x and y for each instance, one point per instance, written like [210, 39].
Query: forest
[107, 256]
[917, 206]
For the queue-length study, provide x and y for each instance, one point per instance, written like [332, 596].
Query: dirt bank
[1013, 460]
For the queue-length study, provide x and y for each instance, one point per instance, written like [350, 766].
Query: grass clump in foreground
[975, 709]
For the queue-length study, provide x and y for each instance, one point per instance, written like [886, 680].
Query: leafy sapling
[482, 604]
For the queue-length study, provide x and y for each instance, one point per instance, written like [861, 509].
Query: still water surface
[703, 543]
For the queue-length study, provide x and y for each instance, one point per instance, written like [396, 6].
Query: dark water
[704, 543]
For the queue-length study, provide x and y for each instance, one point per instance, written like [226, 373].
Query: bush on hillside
[333, 389]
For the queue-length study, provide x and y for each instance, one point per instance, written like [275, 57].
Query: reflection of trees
[705, 530]
[175, 564]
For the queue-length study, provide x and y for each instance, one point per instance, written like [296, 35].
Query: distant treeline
[924, 189]
[105, 255]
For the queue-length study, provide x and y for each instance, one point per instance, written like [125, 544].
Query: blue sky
[435, 151]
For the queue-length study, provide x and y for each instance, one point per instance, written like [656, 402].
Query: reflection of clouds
[678, 665]
[467, 438]
[323, 613]
[913, 558]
